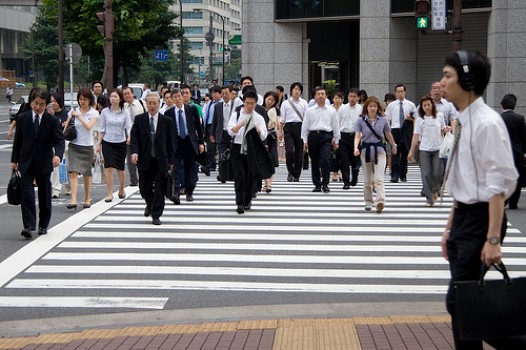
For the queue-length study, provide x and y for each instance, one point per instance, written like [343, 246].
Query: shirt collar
[464, 116]
[155, 116]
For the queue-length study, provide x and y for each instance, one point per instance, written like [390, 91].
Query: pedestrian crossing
[292, 242]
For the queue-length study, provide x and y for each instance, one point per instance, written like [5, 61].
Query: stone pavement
[357, 333]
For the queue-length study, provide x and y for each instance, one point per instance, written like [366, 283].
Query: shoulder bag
[70, 133]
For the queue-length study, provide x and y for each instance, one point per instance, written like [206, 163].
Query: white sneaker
[368, 207]
[55, 195]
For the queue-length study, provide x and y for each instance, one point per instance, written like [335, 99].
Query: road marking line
[84, 302]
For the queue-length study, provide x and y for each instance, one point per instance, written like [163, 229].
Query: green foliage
[233, 69]
[140, 26]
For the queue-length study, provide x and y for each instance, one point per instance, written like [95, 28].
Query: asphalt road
[294, 247]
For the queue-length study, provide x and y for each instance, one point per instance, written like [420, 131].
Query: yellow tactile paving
[291, 334]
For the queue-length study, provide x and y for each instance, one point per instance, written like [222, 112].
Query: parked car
[67, 105]
[16, 107]
[136, 88]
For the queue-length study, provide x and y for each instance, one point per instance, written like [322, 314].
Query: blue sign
[161, 55]
[201, 74]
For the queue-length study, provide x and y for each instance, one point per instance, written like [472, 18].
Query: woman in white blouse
[429, 129]
[80, 150]
[114, 136]
[270, 101]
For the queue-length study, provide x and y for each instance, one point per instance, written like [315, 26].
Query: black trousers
[28, 206]
[465, 243]
[211, 148]
[221, 148]
[399, 161]
[320, 153]
[293, 148]
[347, 158]
[152, 187]
[185, 157]
[242, 182]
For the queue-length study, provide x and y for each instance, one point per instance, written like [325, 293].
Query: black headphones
[466, 80]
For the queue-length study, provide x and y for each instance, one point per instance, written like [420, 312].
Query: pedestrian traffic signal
[422, 14]
[100, 27]
[107, 25]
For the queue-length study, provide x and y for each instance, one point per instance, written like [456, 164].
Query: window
[316, 8]
[193, 30]
[195, 45]
[193, 15]
[192, 1]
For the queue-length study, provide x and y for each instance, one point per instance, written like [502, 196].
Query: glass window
[287, 9]
[334, 8]
[193, 15]
[192, 1]
[195, 45]
[193, 30]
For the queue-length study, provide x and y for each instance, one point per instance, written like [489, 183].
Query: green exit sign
[422, 22]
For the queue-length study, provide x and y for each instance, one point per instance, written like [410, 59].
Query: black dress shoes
[296, 179]
[325, 189]
[316, 189]
[289, 177]
[27, 233]
[403, 179]
[156, 222]
[147, 211]
[176, 198]
[42, 231]
[393, 180]
[189, 198]
[240, 209]
[247, 207]
[346, 187]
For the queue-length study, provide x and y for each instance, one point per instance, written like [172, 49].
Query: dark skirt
[272, 144]
[80, 159]
[114, 154]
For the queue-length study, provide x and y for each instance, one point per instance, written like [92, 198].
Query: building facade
[201, 17]
[15, 22]
[374, 45]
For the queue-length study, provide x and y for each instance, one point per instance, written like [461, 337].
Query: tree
[140, 26]
[233, 69]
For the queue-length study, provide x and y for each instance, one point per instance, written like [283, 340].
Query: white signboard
[438, 14]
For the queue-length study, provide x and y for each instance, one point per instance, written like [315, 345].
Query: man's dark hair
[249, 88]
[246, 78]
[293, 85]
[354, 91]
[509, 101]
[250, 94]
[185, 86]
[42, 94]
[176, 91]
[319, 88]
[280, 88]
[400, 85]
[479, 69]
[97, 82]
[389, 97]
[215, 88]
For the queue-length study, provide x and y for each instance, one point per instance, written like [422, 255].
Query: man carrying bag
[480, 175]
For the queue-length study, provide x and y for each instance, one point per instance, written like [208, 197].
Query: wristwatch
[493, 240]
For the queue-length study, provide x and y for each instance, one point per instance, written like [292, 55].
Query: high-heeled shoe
[86, 205]
[72, 206]
[122, 196]
[108, 200]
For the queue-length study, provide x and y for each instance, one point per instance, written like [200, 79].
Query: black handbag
[305, 161]
[491, 309]
[169, 186]
[14, 188]
[70, 133]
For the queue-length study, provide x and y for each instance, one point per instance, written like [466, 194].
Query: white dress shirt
[177, 119]
[227, 111]
[255, 117]
[321, 118]
[135, 108]
[289, 115]
[483, 164]
[392, 112]
[348, 115]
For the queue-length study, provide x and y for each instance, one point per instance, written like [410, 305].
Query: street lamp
[210, 38]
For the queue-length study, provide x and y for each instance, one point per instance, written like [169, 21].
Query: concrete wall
[507, 51]
[273, 53]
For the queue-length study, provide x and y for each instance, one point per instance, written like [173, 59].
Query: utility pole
[107, 28]
[209, 37]
[457, 25]
[181, 48]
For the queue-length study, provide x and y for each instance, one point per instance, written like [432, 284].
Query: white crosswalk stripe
[291, 241]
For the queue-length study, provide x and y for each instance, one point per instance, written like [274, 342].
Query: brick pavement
[358, 333]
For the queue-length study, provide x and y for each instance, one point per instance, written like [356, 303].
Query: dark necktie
[402, 115]
[182, 129]
[208, 117]
[152, 136]
[36, 124]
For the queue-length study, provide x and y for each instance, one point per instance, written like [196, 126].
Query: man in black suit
[152, 148]
[219, 133]
[189, 143]
[196, 94]
[516, 126]
[38, 147]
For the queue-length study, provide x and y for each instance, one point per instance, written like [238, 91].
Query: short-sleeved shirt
[84, 136]
[430, 131]
[381, 126]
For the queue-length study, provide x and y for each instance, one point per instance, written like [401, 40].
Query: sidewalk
[365, 333]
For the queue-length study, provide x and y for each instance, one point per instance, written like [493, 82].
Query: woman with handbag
[114, 136]
[80, 150]
[429, 128]
[56, 108]
[270, 102]
[369, 145]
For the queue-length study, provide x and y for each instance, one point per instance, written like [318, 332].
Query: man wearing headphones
[480, 175]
